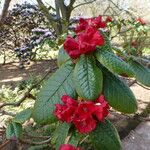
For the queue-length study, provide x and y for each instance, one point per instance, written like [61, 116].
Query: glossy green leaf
[142, 74]
[10, 131]
[60, 134]
[88, 78]
[105, 137]
[114, 63]
[62, 57]
[60, 83]
[23, 116]
[14, 130]
[75, 138]
[118, 94]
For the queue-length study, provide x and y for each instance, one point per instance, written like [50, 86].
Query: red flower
[68, 100]
[68, 147]
[108, 19]
[83, 24]
[66, 112]
[93, 22]
[83, 115]
[85, 125]
[101, 108]
[141, 21]
[85, 43]
[98, 23]
[84, 110]
[72, 47]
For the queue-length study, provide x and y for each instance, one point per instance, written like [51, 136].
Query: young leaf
[23, 116]
[58, 84]
[62, 57]
[142, 74]
[118, 94]
[14, 130]
[60, 134]
[88, 78]
[114, 63]
[105, 137]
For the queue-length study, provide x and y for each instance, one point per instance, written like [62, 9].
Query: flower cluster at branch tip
[83, 115]
[68, 147]
[87, 37]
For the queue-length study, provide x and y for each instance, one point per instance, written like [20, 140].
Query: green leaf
[10, 131]
[114, 63]
[62, 57]
[105, 137]
[23, 116]
[60, 134]
[118, 94]
[74, 139]
[17, 129]
[38, 147]
[142, 74]
[88, 78]
[58, 84]
[14, 130]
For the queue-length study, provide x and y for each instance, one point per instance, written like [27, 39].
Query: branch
[83, 4]
[3, 112]
[45, 10]
[142, 86]
[26, 94]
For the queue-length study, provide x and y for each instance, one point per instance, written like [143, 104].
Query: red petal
[84, 110]
[67, 147]
[68, 100]
[72, 47]
[85, 126]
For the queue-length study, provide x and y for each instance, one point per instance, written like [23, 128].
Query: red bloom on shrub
[72, 47]
[108, 19]
[141, 21]
[85, 125]
[84, 110]
[83, 24]
[93, 22]
[101, 108]
[85, 42]
[83, 115]
[65, 112]
[97, 22]
[68, 147]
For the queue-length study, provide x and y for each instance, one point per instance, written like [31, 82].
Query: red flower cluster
[93, 22]
[83, 115]
[141, 21]
[88, 37]
[68, 147]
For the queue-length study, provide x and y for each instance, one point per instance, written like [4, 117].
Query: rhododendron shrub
[78, 96]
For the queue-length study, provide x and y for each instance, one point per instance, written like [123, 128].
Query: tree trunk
[5, 10]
